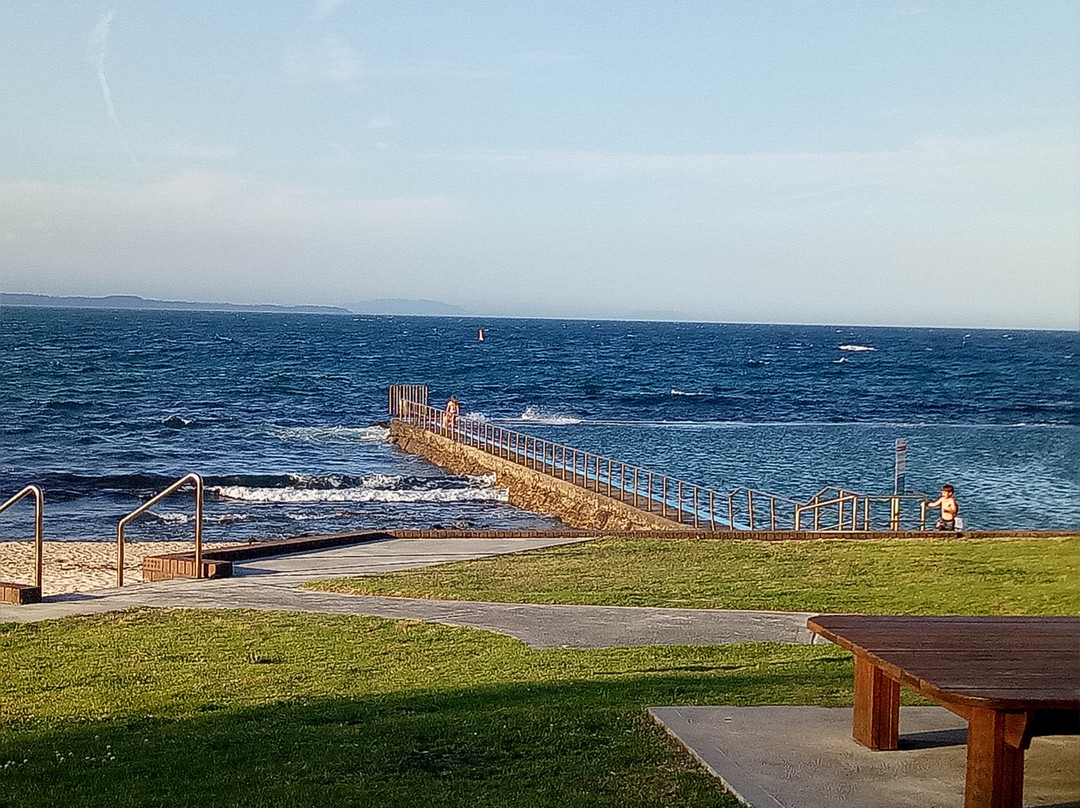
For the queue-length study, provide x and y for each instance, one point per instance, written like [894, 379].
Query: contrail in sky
[96, 49]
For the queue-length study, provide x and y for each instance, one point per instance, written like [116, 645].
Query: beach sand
[80, 566]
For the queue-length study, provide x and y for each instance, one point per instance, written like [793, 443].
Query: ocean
[284, 415]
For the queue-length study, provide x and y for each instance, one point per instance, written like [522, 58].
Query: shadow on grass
[574, 743]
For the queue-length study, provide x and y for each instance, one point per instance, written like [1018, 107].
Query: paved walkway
[271, 584]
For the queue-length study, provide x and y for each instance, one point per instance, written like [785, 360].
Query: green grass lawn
[208, 708]
[1016, 576]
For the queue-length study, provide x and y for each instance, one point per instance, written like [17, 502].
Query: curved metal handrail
[39, 510]
[187, 478]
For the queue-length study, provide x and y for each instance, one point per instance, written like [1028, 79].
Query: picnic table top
[1003, 663]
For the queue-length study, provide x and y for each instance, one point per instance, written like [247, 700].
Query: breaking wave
[536, 415]
[326, 434]
[299, 488]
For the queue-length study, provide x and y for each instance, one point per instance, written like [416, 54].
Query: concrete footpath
[272, 584]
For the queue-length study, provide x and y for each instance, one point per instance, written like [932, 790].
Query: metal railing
[187, 478]
[836, 508]
[39, 510]
[833, 509]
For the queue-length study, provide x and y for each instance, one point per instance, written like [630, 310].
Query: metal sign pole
[900, 472]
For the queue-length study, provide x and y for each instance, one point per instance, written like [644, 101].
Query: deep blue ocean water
[103, 408]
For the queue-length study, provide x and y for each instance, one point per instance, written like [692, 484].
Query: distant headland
[422, 308]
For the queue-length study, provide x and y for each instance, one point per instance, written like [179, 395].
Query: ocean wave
[305, 488]
[536, 415]
[675, 392]
[853, 347]
[325, 434]
[176, 421]
[309, 495]
[170, 518]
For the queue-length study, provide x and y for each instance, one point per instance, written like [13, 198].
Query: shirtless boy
[949, 508]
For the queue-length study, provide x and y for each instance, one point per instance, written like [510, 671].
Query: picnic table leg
[995, 759]
[877, 707]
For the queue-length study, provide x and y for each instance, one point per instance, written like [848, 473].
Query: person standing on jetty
[452, 410]
[949, 508]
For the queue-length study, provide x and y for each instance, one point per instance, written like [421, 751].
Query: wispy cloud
[178, 150]
[1047, 160]
[542, 58]
[324, 60]
[96, 50]
[324, 8]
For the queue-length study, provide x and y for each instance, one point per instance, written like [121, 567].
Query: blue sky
[904, 163]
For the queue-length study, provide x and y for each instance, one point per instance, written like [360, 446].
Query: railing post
[648, 491]
[663, 496]
[695, 507]
[679, 499]
[731, 510]
[712, 510]
[750, 507]
[772, 513]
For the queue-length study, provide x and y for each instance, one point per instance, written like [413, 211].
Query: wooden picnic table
[1011, 678]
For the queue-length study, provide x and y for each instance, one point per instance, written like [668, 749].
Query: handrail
[39, 511]
[669, 497]
[187, 478]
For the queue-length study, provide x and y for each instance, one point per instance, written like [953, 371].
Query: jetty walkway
[591, 491]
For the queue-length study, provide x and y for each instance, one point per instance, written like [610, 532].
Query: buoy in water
[480, 335]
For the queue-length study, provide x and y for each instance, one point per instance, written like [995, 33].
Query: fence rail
[832, 509]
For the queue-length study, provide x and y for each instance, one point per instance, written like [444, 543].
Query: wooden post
[877, 707]
[995, 767]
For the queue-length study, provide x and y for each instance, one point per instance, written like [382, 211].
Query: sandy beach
[80, 566]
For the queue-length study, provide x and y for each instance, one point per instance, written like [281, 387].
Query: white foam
[534, 415]
[675, 392]
[302, 495]
[851, 347]
[177, 420]
[171, 518]
[323, 434]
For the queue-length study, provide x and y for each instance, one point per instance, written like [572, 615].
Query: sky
[786, 161]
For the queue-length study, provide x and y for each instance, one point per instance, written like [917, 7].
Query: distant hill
[415, 308]
[396, 306]
[134, 302]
